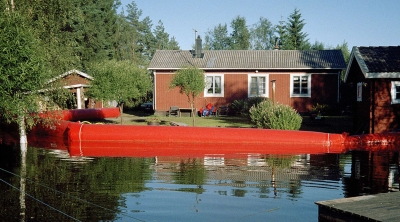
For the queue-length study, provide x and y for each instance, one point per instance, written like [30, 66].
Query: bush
[241, 107]
[320, 109]
[270, 116]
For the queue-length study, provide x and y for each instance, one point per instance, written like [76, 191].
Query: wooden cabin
[301, 78]
[77, 83]
[374, 76]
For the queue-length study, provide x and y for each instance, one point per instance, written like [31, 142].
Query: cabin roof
[249, 59]
[376, 61]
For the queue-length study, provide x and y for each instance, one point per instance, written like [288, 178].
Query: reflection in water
[212, 188]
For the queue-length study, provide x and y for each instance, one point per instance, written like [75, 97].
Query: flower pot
[153, 123]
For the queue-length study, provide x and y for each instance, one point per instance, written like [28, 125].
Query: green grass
[329, 124]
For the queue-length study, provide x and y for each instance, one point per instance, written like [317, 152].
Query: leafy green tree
[142, 39]
[217, 38]
[22, 71]
[121, 81]
[190, 80]
[163, 40]
[346, 54]
[318, 46]
[280, 29]
[240, 37]
[262, 35]
[97, 31]
[295, 38]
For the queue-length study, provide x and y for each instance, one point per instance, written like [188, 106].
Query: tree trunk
[22, 131]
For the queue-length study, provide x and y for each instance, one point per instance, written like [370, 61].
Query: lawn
[328, 124]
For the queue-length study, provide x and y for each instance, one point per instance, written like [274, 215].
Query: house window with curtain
[214, 85]
[258, 85]
[300, 85]
[395, 92]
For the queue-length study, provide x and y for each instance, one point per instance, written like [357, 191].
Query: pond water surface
[49, 185]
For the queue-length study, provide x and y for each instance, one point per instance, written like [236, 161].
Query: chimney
[197, 53]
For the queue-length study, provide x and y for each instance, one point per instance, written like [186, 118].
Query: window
[214, 86]
[395, 92]
[258, 85]
[300, 85]
[359, 91]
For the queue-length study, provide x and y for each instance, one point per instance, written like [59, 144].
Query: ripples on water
[213, 188]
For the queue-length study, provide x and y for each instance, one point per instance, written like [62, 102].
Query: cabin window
[258, 85]
[359, 91]
[300, 85]
[395, 92]
[214, 86]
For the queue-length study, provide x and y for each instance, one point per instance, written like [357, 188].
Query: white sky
[358, 22]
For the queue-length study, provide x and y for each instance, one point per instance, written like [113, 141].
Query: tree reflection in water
[248, 188]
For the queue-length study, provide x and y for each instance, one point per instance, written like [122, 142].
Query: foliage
[295, 38]
[320, 108]
[240, 37]
[346, 54]
[241, 107]
[262, 35]
[22, 72]
[275, 116]
[217, 38]
[119, 81]
[153, 119]
[190, 80]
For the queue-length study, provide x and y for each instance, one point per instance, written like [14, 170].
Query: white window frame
[266, 76]
[308, 85]
[393, 92]
[359, 91]
[206, 93]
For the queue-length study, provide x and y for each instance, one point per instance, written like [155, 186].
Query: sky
[332, 22]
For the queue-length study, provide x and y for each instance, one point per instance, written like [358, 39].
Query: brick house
[301, 78]
[373, 74]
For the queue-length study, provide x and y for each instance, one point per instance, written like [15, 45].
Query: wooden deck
[379, 207]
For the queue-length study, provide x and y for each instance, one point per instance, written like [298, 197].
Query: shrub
[320, 108]
[270, 116]
[241, 107]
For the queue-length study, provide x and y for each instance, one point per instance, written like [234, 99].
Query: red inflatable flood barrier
[88, 114]
[128, 140]
[147, 141]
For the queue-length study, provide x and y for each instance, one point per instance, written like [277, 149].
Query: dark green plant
[270, 116]
[320, 108]
[241, 107]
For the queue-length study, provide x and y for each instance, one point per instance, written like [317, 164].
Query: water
[52, 186]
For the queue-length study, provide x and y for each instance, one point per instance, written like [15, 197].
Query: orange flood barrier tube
[147, 141]
[88, 114]
[124, 140]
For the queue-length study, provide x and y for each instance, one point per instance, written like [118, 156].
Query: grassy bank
[329, 124]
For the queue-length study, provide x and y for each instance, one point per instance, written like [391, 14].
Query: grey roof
[249, 59]
[376, 61]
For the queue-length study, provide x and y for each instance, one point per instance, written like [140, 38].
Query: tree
[22, 72]
[121, 81]
[240, 37]
[217, 39]
[262, 35]
[346, 54]
[295, 38]
[163, 41]
[191, 82]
